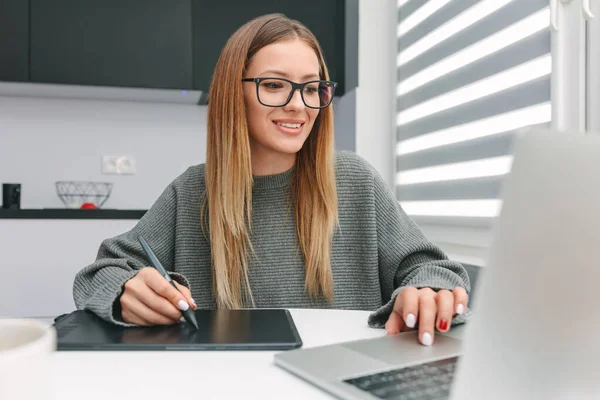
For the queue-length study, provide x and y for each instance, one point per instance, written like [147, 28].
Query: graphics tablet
[249, 329]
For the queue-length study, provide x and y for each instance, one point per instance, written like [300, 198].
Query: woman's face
[277, 132]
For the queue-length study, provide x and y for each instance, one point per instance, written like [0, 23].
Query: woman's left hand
[427, 309]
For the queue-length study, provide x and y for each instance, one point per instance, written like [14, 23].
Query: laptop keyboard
[430, 381]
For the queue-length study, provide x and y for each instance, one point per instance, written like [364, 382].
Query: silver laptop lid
[536, 329]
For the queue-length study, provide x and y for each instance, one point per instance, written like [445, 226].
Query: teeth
[288, 125]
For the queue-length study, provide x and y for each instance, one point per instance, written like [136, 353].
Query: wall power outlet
[118, 164]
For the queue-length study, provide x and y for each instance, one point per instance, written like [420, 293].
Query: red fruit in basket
[88, 206]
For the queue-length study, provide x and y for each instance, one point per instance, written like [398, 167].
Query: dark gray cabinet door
[133, 43]
[14, 40]
[325, 21]
[214, 22]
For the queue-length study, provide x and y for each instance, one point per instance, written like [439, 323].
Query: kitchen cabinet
[213, 23]
[159, 44]
[14, 40]
[328, 20]
[132, 43]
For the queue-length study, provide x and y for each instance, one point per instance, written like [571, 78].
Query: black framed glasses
[277, 92]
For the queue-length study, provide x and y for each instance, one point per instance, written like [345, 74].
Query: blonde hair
[228, 171]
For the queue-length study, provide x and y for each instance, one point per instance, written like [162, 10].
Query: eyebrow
[285, 74]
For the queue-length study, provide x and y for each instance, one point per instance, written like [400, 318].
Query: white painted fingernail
[183, 306]
[182, 319]
[427, 339]
[411, 320]
[460, 309]
[193, 302]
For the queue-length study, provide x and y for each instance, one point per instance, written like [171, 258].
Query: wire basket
[75, 193]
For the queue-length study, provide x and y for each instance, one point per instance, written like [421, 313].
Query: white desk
[208, 375]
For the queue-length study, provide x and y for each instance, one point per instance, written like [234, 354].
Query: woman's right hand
[149, 299]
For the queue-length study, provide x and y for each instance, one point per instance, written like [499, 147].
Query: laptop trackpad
[404, 348]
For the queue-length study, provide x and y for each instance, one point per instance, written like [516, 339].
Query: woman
[275, 218]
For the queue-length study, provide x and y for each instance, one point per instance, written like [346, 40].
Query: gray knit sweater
[377, 249]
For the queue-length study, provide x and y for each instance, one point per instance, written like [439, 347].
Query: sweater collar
[273, 181]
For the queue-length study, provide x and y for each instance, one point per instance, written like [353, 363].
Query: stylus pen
[187, 314]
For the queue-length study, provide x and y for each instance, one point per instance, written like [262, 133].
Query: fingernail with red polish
[443, 325]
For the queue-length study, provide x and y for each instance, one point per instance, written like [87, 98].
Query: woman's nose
[296, 102]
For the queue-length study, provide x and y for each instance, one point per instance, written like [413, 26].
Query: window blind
[470, 73]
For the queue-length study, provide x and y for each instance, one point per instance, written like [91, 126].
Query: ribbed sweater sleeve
[99, 286]
[407, 257]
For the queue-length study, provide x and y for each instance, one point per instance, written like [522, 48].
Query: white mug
[25, 350]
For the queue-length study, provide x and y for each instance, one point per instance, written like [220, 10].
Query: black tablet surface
[253, 329]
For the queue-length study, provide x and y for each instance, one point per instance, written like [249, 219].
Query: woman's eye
[311, 89]
[272, 85]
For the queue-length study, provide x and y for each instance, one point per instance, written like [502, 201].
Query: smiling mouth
[289, 125]
[289, 128]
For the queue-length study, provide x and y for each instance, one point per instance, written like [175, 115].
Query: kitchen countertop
[64, 213]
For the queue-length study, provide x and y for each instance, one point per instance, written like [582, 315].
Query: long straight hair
[228, 171]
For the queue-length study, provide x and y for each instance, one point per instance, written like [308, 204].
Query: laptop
[535, 328]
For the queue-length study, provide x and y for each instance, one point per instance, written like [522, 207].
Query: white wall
[375, 122]
[46, 140]
[39, 283]
[344, 110]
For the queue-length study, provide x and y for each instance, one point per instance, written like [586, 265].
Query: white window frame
[575, 103]
[593, 68]
[568, 65]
